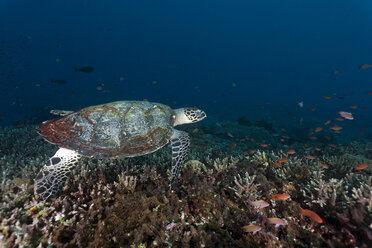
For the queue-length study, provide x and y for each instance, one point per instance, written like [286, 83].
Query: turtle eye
[200, 114]
[195, 114]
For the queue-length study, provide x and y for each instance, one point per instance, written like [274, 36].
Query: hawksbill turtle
[114, 130]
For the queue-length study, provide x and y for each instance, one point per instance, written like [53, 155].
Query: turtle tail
[53, 175]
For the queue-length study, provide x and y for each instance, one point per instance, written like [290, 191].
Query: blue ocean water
[256, 59]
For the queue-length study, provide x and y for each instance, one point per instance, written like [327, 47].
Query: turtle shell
[117, 129]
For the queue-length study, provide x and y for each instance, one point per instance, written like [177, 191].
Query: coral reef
[127, 203]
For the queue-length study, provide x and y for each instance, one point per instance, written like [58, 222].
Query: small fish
[277, 165]
[312, 215]
[339, 119]
[332, 145]
[364, 66]
[230, 135]
[283, 160]
[288, 186]
[281, 197]
[251, 228]
[353, 106]
[300, 104]
[327, 97]
[336, 73]
[259, 204]
[335, 128]
[318, 129]
[346, 115]
[327, 122]
[86, 69]
[324, 165]
[309, 157]
[291, 151]
[361, 167]
[263, 219]
[276, 221]
[58, 81]
[264, 145]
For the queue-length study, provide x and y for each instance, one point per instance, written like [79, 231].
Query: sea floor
[236, 181]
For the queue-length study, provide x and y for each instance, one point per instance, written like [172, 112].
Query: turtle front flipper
[53, 175]
[180, 149]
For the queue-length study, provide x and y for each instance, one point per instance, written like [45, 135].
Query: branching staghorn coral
[362, 193]
[245, 187]
[225, 163]
[358, 149]
[198, 167]
[342, 164]
[126, 182]
[321, 192]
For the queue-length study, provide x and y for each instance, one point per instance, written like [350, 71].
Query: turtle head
[188, 115]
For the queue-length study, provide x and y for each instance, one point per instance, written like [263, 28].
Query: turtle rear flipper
[180, 149]
[53, 175]
[60, 112]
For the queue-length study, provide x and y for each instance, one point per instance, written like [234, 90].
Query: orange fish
[336, 73]
[318, 129]
[353, 106]
[309, 157]
[251, 228]
[281, 197]
[277, 165]
[336, 128]
[369, 92]
[332, 145]
[327, 97]
[283, 160]
[291, 151]
[365, 66]
[327, 122]
[361, 167]
[339, 119]
[264, 145]
[312, 215]
[312, 109]
[324, 165]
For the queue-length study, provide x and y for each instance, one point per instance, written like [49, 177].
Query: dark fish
[58, 81]
[86, 69]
